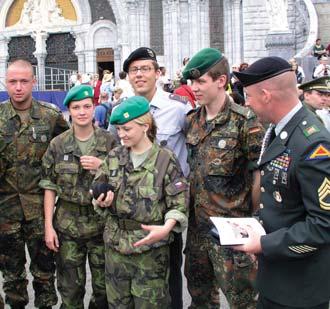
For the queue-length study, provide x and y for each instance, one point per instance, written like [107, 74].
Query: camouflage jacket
[222, 154]
[21, 149]
[144, 195]
[61, 168]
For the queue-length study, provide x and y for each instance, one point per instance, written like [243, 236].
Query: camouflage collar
[70, 146]
[222, 116]
[34, 110]
[148, 164]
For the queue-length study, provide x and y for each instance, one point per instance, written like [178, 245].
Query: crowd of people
[141, 162]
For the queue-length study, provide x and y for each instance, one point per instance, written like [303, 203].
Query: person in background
[300, 75]
[185, 91]
[318, 49]
[103, 111]
[324, 113]
[75, 231]
[148, 200]
[26, 128]
[323, 69]
[293, 256]
[123, 83]
[169, 112]
[107, 84]
[97, 88]
[224, 142]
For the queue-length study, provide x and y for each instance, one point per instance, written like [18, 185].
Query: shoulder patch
[179, 98]
[319, 153]
[311, 130]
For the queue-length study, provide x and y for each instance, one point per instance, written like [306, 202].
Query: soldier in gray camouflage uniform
[149, 200]
[224, 142]
[26, 128]
[69, 166]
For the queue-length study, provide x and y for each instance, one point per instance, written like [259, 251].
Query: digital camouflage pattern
[139, 280]
[150, 193]
[222, 154]
[79, 227]
[22, 145]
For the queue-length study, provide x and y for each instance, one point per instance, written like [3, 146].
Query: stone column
[195, 29]
[80, 50]
[172, 53]
[3, 60]
[133, 24]
[81, 62]
[40, 53]
[117, 60]
[233, 31]
[90, 61]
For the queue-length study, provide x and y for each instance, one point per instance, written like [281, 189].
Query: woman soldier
[148, 200]
[69, 166]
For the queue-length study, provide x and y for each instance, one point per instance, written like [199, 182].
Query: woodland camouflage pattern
[142, 195]
[222, 154]
[80, 228]
[22, 146]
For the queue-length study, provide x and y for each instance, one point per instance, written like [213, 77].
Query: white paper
[232, 230]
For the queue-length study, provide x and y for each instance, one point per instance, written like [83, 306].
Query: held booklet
[232, 232]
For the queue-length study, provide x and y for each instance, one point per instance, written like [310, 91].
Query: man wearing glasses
[169, 112]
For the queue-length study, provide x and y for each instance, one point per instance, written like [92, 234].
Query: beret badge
[195, 73]
[151, 53]
[126, 115]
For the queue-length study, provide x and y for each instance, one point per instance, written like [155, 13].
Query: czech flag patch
[319, 153]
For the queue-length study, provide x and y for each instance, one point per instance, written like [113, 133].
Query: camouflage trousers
[209, 267]
[71, 271]
[137, 281]
[13, 237]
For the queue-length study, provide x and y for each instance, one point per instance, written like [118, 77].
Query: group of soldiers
[233, 167]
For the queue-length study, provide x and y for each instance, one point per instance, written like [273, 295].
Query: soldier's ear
[267, 96]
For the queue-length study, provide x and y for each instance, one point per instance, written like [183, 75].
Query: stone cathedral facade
[91, 35]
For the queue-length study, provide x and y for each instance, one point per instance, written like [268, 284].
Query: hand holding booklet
[232, 231]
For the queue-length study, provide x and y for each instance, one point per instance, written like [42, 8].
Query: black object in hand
[99, 188]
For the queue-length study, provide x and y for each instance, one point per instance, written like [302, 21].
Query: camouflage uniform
[21, 201]
[79, 228]
[137, 277]
[221, 154]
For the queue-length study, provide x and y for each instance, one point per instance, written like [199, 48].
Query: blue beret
[201, 62]
[78, 93]
[131, 108]
[321, 84]
[263, 69]
[142, 53]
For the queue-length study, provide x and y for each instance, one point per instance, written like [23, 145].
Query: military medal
[222, 144]
[282, 162]
[284, 135]
[277, 196]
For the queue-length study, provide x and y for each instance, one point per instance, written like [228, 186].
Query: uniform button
[261, 206]
[261, 222]
[262, 189]
[262, 173]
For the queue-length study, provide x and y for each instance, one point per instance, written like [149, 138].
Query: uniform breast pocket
[39, 139]
[147, 198]
[67, 173]
[222, 156]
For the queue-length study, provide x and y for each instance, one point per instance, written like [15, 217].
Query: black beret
[263, 69]
[142, 53]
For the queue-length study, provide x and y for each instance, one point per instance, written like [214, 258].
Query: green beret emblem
[195, 73]
[126, 115]
[86, 93]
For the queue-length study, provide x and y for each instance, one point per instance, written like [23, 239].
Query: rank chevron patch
[319, 153]
[324, 194]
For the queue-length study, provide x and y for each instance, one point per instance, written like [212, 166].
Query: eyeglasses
[143, 70]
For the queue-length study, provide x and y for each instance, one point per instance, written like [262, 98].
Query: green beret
[78, 93]
[131, 108]
[202, 62]
[321, 84]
